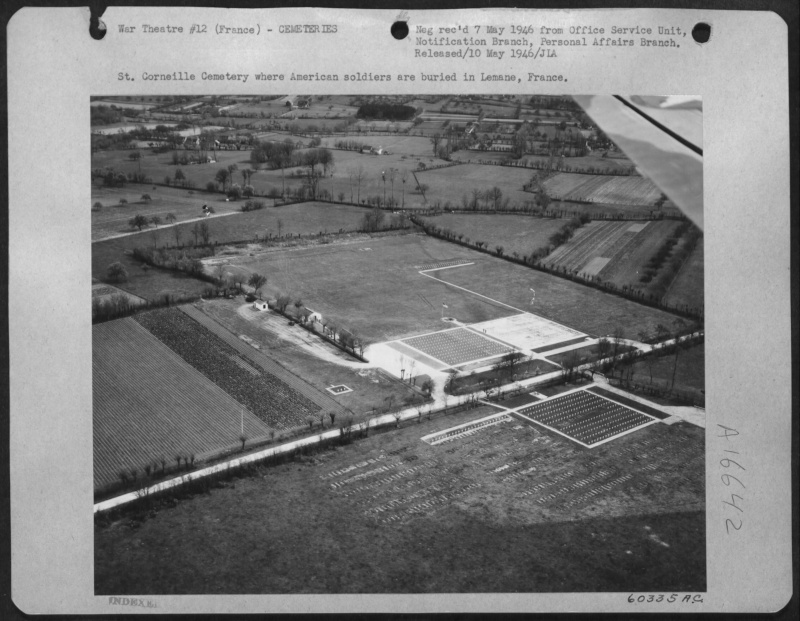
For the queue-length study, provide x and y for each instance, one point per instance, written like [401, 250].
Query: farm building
[260, 305]
[310, 316]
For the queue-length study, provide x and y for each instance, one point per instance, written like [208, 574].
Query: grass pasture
[520, 234]
[689, 374]
[372, 286]
[151, 283]
[372, 184]
[158, 166]
[688, 286]
[295, 219]
[509, 508]
[583, 308]
[148, 403]
[399, 144]
[598, 162]
[113, 218]
[451, 183]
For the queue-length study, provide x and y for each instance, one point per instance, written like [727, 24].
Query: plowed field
[148, 402]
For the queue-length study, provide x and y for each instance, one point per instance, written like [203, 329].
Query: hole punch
[400, 30]
[97, 29]
[701, 32]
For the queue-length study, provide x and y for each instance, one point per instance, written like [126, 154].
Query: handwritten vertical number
[725, 462]
[729, 523]
[726, 479]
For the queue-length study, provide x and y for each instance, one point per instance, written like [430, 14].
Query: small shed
[310, 316]
[260, 305]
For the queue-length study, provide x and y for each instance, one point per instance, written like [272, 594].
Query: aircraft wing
[663, 137]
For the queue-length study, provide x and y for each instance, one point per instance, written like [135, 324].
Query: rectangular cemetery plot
[528, 331]
[466, 429]
[457, 346]
[339, 390]
[585, 417]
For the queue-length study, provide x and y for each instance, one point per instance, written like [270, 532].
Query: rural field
[637, 191]
[372, 185]
[613, 251]
[159, 166]
[149, 403]
[372, 286]
[520, 234]
[509, 507]
[278, 398]
[583, 308]
[497, 467]
[287, 220]
[688, 286]
[114, 216]
[454, 182]
[689, 370]
[598, 162]
[316, 361]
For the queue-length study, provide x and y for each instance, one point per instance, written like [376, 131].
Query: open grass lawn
[509, 508]
[370, 386]
[688, 286]
[295, 219]
[149, 403]
[151, 283]
[113, 218]
[589, 161]
[521, 234]
[159, 166]
[372, 184]
[144, 281]
[372, 286]
[450, 184]
[396, 144]
[576, 306]
[689, 376]
[471, 155]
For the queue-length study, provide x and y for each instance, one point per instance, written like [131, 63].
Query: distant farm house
[260, 305]
[310, 316]
[376, 151]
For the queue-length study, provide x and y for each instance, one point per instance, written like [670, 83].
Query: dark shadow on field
[592, 555]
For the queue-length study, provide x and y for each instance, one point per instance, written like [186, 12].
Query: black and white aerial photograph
[352, 344]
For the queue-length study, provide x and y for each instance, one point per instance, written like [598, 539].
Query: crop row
[269, 398]
[594, 240]
[149, 405]
[601, 189]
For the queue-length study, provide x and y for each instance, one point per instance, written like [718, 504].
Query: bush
[116, 272]
[252, 205]
[97, 206]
